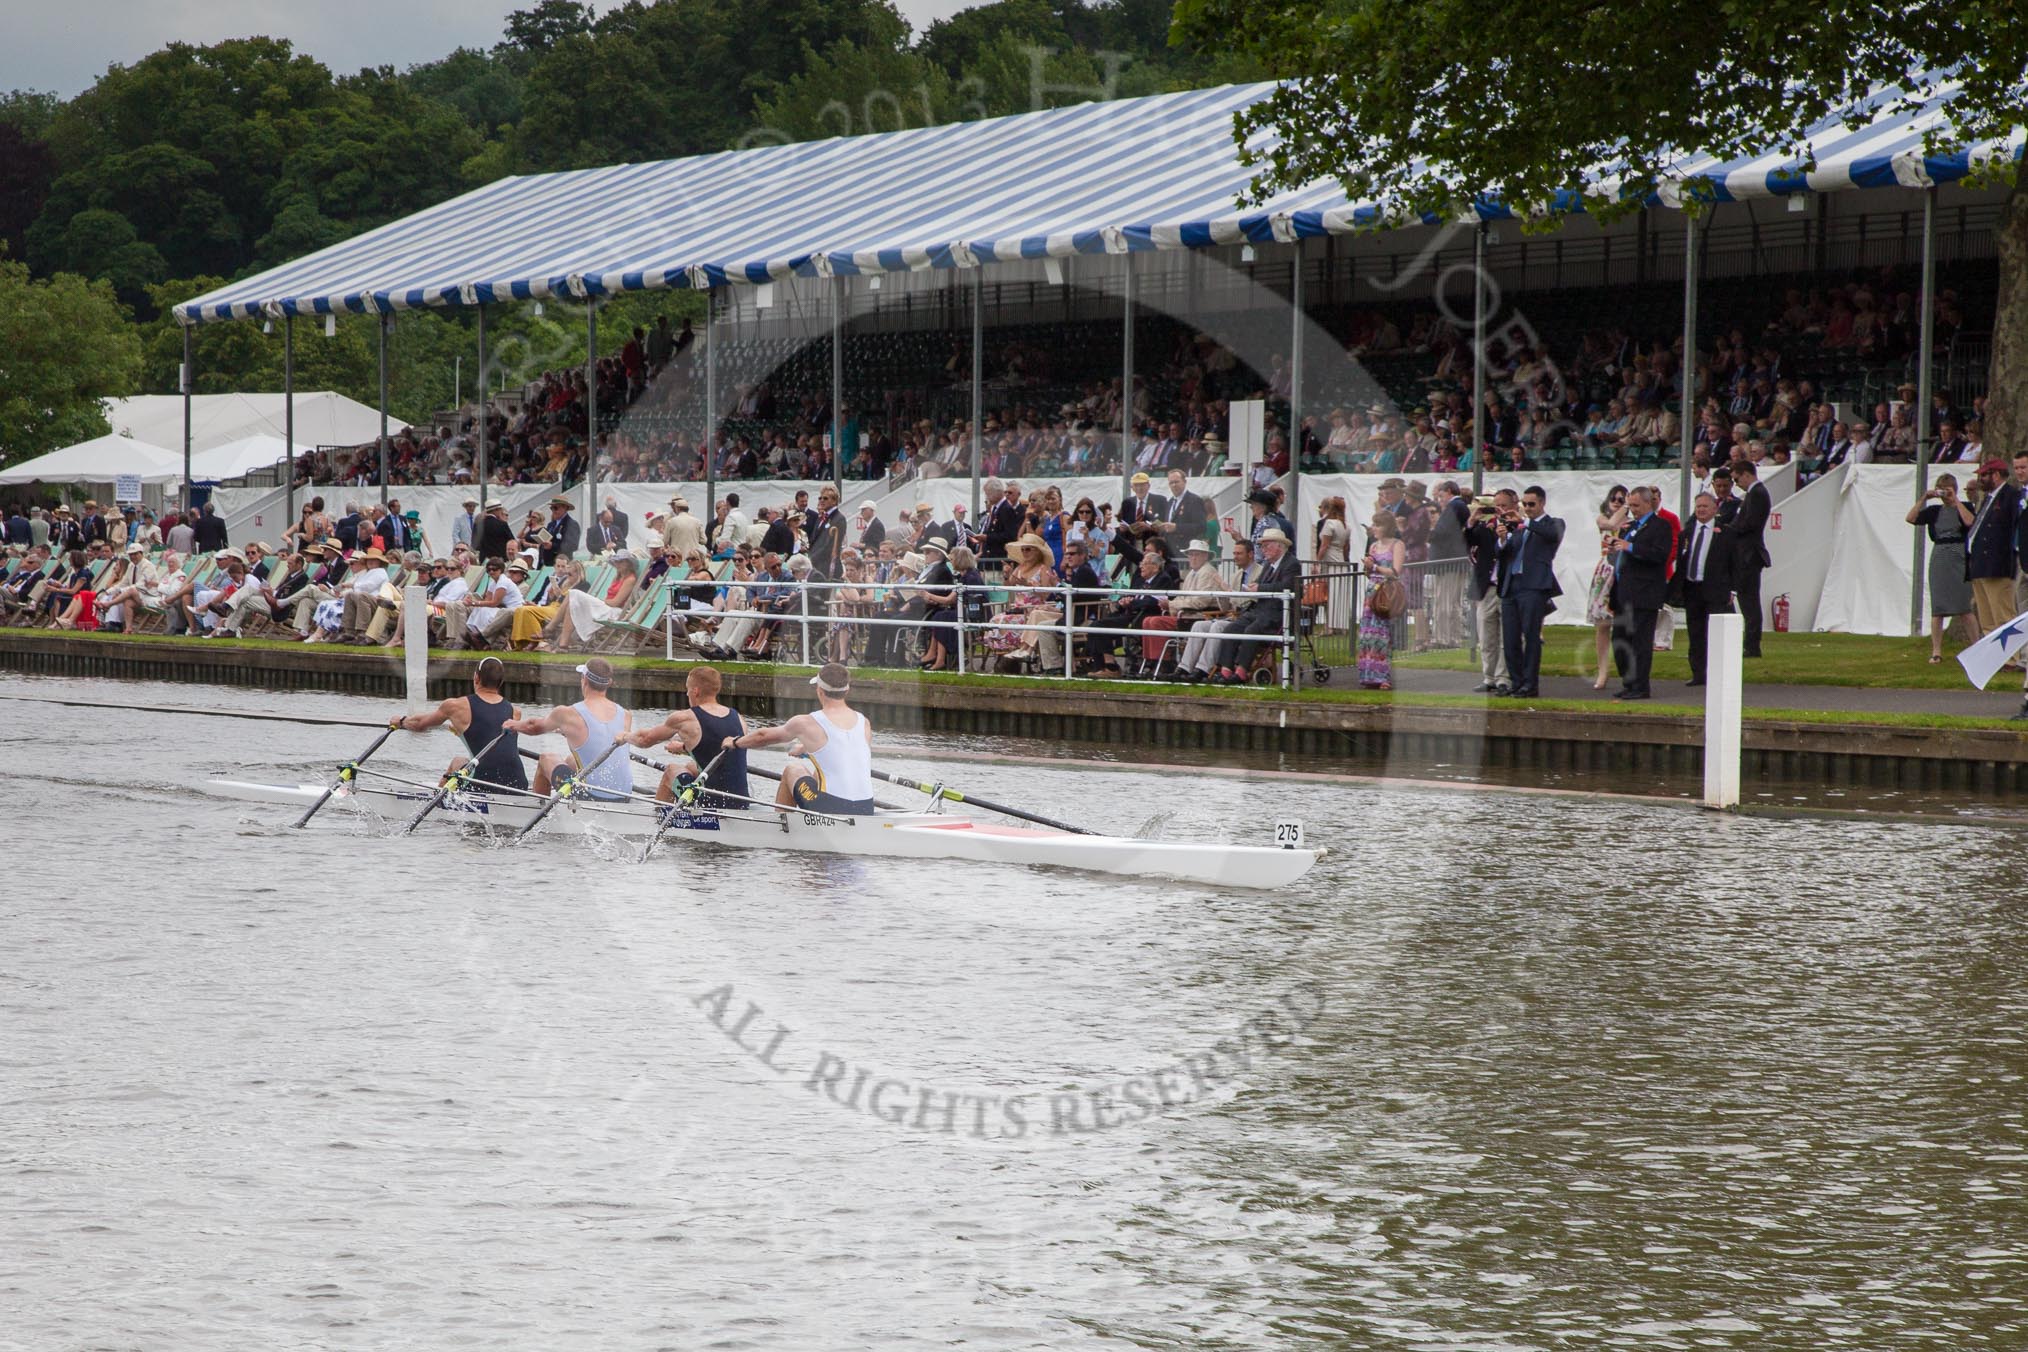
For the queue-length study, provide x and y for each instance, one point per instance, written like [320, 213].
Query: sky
[63, 47]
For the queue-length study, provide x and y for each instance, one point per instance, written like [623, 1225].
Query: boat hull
[900, 835]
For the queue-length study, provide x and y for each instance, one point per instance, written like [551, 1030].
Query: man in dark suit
[1640, 588]
[1137, 517]
[1721, 489]
[1529, 539]
[780, 536]
[872, 530]
[1281, 576]
[1003, 521]
[601, 537]
[1749, 548]
[827, 537]
[346, 528]
[495, 537]
[1703, 580]
[1182, 514]
[1990, 556]
[209, 529]
[616, 529]
[564, 533]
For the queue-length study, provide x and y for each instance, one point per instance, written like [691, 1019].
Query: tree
[851, 90]
[65, 345]
[550, 22]
[26, 171]
[1427, 106]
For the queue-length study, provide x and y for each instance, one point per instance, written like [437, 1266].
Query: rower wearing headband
[702, 730]
[591, 726]
[480, 719]
[836, 772]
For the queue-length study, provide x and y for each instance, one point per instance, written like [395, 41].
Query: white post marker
[415, 625]
[1724, 696]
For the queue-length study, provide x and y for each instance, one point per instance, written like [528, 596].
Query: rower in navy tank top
[480, 718]
[835, 772]
[700, 732]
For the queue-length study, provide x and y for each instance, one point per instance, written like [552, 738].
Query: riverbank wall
[1450, 740]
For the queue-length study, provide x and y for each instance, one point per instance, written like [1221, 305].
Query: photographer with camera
[1948, 521]
[1482, 544]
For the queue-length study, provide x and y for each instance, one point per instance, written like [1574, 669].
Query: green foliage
[1428, 105]
[205, 163]
[65, 345]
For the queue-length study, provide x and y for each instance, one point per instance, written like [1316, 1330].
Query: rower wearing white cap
[591, 726]
[835, 774]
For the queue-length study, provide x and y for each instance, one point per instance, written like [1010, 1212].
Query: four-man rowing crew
[825, 802]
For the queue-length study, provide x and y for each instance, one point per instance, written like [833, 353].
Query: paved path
[1998, 700]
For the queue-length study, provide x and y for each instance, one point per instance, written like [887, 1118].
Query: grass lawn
[1788, 659]
[1786, 653]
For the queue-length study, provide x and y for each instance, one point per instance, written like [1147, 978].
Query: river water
[1503, 1072]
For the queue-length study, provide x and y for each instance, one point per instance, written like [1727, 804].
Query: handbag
[1388, 598]
[1317, 592]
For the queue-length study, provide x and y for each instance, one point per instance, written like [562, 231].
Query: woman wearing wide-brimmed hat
[1030, 575]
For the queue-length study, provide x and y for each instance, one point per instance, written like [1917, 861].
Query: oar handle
[939, 791]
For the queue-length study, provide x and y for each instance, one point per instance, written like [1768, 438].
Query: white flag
[1990, 653]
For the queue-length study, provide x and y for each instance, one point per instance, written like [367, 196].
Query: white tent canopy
[241, 457]
[100, 460]
[323, 418]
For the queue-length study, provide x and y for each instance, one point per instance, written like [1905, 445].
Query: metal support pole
[803, 604]
[187, 379]
[710, 408]
[1925, 355]
[1069, 631]
[1479, 429]
[485, 403]
[1126, 377]
[385, 320]
[959, 656]
[1295, 436]
[978, 384]
[838, 385]
[289, 415]
[1688, 430]
[591, 411]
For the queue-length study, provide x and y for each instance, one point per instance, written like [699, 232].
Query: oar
[345, 772]
[454, 781]
[753, 769]
[569, 789]
[939, 791]
[686, 798]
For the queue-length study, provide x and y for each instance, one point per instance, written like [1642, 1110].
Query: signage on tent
[127, 488]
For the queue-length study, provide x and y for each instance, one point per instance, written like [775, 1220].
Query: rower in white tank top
[835, 775]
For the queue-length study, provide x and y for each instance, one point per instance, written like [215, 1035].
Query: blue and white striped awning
[1128, 175]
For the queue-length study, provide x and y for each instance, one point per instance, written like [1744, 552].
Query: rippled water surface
[1503, 1072]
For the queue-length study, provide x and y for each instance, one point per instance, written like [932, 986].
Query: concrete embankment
[1644, 753]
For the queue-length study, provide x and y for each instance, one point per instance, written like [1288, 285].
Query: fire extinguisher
[1781, 613]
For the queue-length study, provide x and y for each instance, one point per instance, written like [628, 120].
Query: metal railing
[806, 613]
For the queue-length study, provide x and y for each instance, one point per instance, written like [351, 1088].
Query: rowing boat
[896, 835]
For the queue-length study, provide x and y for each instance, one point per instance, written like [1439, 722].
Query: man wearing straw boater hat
[835, 772]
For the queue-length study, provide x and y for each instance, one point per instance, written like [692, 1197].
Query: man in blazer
[1182, 514]
[495, 535]
[1280, 575]
[1990, 546]
[1529, 539]
[1703, 581]
[1138, 513]
[1640, 588]
[1748, 531]
[1003, 521]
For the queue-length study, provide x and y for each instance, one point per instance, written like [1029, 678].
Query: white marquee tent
[102, 460]
[240, 457]
[323, 418]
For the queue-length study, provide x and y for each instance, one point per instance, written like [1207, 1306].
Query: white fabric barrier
[1869, 554]
[1800, 535]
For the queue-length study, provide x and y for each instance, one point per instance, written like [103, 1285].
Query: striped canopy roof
[1132, 174]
